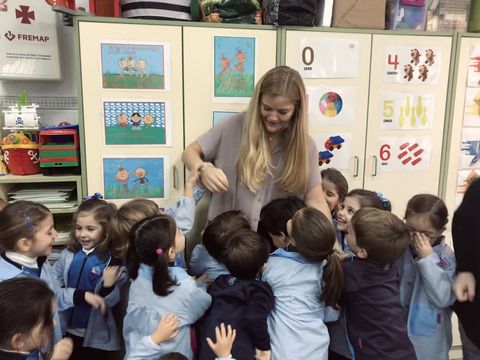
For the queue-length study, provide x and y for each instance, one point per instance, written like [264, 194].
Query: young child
[239, 298]
[305, 281]
[273, 220]
[207, 256]
[26, 234]
[354, 201]
[27, 309]
[87, 266]
[158, 289]
[335, 188]
[427, 277]
[376, 325]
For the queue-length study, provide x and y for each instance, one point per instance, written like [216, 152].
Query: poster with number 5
[326, 58]
[399, 154]
[412, 64]
[406, 111]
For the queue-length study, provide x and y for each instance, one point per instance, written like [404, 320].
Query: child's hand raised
[204, 278]
[421, 245]
[111, 274]
[225, 338]
[62, 349]
[167, 329]
[95, 301]
[262, 354]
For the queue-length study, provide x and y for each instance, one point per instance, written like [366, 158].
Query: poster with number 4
[403, 153]
[412, 64]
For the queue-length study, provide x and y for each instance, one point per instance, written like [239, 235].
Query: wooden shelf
[37, 178]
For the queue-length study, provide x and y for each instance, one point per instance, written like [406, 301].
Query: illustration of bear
[429, 55]
[423, 72]
[415, 57]
[408, 72]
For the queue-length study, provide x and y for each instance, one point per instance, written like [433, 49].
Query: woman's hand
[464, 286]
[213, 178]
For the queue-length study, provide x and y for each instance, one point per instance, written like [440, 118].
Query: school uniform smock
[426, 295]
[84, 272]
[375, 320]
[296, 323]
[145, 309]
[201, 262]
[10, 269]
[221, 145]
[245, 305]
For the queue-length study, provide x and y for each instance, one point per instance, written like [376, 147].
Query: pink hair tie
[159, 251]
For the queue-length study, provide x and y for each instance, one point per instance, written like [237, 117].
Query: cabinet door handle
[175, 177]
[374, 165]
[355, 166]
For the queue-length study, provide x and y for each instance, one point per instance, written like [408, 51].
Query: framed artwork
[128, 122]
[135, 65]
[234, 68]
[129, 177]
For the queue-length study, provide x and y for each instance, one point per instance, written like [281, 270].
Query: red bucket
[22, 161]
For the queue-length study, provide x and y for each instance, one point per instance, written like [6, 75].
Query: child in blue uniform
[427, 276]
[158, 289]
[305, 280]
[207, 257]
[335, 188]
[87, 266]
[376, 325]
[240, 299]
[27, 309]
[26, 234]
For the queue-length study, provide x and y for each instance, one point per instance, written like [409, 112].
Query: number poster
[406, 111]
[412, 65]
[403, 153]
[334, 150]
[323, 58]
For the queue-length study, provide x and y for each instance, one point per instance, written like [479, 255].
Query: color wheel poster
[403, 153]
[406, 111]
[412, 65]
[331, 106]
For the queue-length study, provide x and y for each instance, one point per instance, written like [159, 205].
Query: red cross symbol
[25, 14]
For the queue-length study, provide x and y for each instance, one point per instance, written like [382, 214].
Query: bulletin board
[132, 100]
[222, 66]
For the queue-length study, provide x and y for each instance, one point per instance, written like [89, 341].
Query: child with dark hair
[274, 217]
[206, 257]
[158, 289]
[88, 268]
[376, 324]
[27, 309]
[240, 299]
[428, 268]
[26, 235]
[306, 280]
[335, 188]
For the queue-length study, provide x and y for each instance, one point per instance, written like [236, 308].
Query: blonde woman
[263, 154]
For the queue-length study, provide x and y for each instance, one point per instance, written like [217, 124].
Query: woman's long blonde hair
[255, 159]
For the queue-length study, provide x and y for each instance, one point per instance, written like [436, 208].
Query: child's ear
[17, 342]
[24, 245]
[171, 254]
[362, 253]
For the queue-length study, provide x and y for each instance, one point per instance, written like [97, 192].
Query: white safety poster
[406, 111]
[403, 153]
[327, 58]
[412, 65]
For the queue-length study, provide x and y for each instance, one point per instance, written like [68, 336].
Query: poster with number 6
[326, 58]
[399, 154]
[412, 64]
[406, 111]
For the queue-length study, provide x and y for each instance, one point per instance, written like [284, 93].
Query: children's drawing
[219, 115]
[471, 115]
[470, 149]
[412, 65]
[234, 68]
[331, 106]
[137, 122]
[464, 179]
[129, 177]
[474, 66]
[406, 111]
[135, 66]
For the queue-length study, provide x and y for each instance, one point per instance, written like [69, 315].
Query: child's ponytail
[332, 281]
[150, 242]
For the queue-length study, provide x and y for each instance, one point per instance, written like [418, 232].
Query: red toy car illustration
[334, 142]
[324, 157]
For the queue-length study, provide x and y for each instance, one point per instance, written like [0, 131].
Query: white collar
[21, 259]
